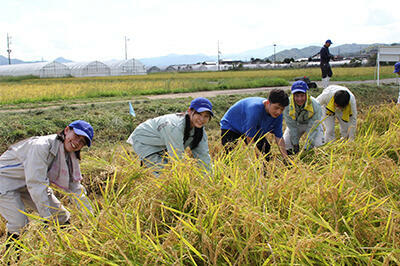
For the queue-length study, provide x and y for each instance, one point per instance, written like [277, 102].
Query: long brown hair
[198, 133]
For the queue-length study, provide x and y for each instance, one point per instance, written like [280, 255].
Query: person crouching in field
[338, 102]
[252, 118]
[155, 139]
[28, 168]
[397, 71]
[303, 115]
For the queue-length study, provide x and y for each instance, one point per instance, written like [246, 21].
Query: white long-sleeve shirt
[327, 95]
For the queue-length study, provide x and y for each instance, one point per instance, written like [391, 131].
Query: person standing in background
[397, 71]
[325, 57]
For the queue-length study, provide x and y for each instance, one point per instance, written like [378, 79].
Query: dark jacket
[325, 55]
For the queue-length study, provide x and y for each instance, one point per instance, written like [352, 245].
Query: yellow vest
[331, 108]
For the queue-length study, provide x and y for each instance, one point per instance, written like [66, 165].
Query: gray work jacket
[166, 133]
[26, 164]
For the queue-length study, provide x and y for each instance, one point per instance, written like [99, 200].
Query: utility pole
[126, 49]
[8, 48]
[218, 54]
[274, 55]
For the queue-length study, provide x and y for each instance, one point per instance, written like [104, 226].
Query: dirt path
[186, 95]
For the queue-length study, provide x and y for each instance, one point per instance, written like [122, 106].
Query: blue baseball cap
[299, 86]
[83, 128]
[396, 67]
[328, 41]
[201, 104]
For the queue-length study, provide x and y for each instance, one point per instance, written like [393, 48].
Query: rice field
[335, 205]
[338, 204]
[45, 90]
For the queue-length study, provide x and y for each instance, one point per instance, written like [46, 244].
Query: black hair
[278, 96]
[342, 98]
[198, 133]
[61, 137]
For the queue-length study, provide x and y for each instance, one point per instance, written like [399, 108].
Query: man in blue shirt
[252, 118]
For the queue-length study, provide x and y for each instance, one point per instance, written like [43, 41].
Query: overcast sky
[95, 29]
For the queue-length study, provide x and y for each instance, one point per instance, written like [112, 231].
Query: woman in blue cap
[170, 134]
[29, 167]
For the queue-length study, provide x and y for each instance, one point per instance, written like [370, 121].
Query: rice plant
[334, 205]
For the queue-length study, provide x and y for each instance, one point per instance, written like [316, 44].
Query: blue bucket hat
[83, 128]
[328, 41]
[396, 67]
[299, 86]
[201, 104]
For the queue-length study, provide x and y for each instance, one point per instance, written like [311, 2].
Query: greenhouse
[42, 69]
[126, 67]
[88, 69]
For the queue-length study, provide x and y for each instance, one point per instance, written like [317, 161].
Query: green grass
[17, 78]
[337, 204]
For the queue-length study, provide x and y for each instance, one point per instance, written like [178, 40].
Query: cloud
[89, 30]
[379, 17]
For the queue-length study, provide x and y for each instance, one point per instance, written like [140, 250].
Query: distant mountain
[4, 61]
[296, 53]
[175, 59]
[62, 60]
[343, 50]
[266, 52]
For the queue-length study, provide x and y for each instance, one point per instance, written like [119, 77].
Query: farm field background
[338, 204]
[32, 90]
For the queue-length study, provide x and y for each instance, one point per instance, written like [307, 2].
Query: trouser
[329, 124]
[230, 138]
[398, 99]
[13, 202]
[326, 70]
[326, 74]
[316, 142]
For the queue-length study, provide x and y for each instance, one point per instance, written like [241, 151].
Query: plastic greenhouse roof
[31, 67]
[77, 65]
[118, 63]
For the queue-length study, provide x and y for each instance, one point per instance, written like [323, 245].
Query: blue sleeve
[278, 127]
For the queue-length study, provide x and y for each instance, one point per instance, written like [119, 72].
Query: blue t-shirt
[248, 116]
